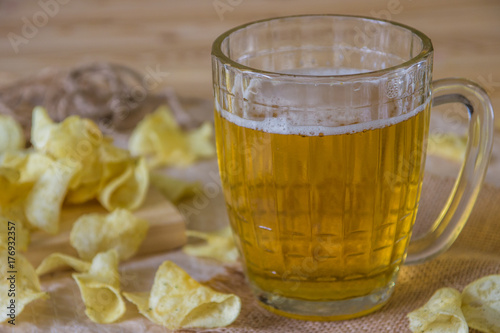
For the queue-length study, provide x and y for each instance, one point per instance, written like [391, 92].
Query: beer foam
[284, 125]
[338, 121]
[324, 71]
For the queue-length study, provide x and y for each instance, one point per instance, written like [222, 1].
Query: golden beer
[322, 215]
[321, 126]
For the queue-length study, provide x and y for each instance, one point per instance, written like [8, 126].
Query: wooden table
[175, 36]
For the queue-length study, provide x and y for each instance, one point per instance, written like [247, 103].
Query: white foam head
[324, 71]
[284, 125]
[329, 120]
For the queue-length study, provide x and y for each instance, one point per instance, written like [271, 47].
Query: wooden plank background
[175, 36]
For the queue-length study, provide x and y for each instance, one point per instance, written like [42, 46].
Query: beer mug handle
[454, 215]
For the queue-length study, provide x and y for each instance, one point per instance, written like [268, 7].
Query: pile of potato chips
[69, 162]
[477, 307]
[72, 162]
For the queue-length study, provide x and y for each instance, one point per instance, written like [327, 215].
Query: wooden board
[166, 229]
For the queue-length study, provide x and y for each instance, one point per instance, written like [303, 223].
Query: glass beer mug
[321, 125]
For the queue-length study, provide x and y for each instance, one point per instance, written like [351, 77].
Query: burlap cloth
[476, 253]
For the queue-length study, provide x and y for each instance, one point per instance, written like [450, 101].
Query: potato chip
[119, 230]
[127, 190]
[22, 235]
[11, 134]
[104, 171]
[219, 245]
[178, 301]
[76, 140]
[10, 185]
[41, 127]
[29, 163]
[110, 154]
[144, 137]
[44, 201]
[173, 189]
[448, 145]
[200, 141]
[100, 289]
[481, 304]
[85, 185]
[119, 177]
[162, 141]
[8, 177]
[56, 261]
[441, 313]
[12, 197]
[23, 286]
